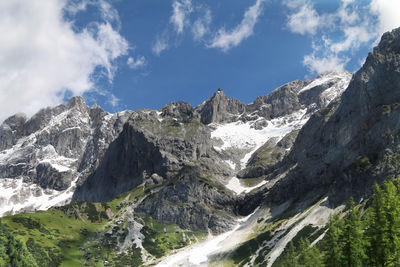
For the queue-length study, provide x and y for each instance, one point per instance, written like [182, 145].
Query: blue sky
[145, 53]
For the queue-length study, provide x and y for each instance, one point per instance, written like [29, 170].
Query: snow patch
[243, 136]
[17, 196]
[235, 185]
[342, 77]
[198, 254]
[231, 164]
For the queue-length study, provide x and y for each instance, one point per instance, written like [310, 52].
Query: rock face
[54, 148]
[350, 144]
[220, 108]
[191, 201]
[265, 159]
[152, 148]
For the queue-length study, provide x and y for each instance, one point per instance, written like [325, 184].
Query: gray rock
[181, 111]
[50, 177]
[191, 202]
[220, 108]
[342, 150]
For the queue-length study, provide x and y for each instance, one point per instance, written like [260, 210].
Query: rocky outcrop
[150, 149]
[48, 176]
[266, 158]
[181, 111]
[344, 148]
[219, 108]
[192, 201]
[129, 160]
[11, 130]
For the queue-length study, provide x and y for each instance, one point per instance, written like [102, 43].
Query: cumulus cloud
[225, 40]
[304, 19]
[357, 24]
[42, 57]
[323, 64]
[180, 11]
[387, 12]
[354, 37]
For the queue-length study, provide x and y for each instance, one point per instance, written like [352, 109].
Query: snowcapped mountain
[42, 158]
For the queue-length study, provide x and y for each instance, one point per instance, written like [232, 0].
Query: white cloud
[305, 19]
[354, 37]
[225, 40]
[387, 12]
[160, 44]
[201, 26]
[180, 10]
[42, 57]
[343, 31]
[136, 63]
[324, 64]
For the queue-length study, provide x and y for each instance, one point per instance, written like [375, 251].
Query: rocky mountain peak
[220, 108]
[377, 82]
[78, 103]
[181, 111]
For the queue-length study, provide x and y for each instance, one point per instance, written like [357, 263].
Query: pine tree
[290, 256]
[392, 212]
[376, 225]
[383, 231]
[353, 243]
[308, 256]
[333, 255]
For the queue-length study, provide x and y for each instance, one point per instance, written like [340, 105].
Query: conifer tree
[308, 256]
[353, 243]
[290, 256]
[383, 226]
[333, 255]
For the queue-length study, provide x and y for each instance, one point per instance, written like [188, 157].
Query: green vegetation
[159, 238]
[170, 127]
[78, 234]
[213, 184]
[242, 254]
[250, 182]
[362, 237]
[389, 108]
[362, 163]
[52, 237]
[13, 252]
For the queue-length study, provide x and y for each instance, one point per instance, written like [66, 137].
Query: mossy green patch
[161, 238]
[53, 233]
[250, 182]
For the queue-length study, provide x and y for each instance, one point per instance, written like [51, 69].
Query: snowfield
[17, 196]
[244, 136]
[342, 77]
[198, 254]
